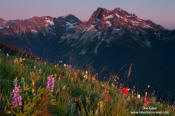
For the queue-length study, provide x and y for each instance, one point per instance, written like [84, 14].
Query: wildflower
[146, 93]
[124, 91]
[20, 60]
[108, 98]
[141, 100]
[65, 65]
[7, 54]
[113, 85]
[21, 71]
[121, 87]
[33, 91]
[106, 91]
[145, 100]
[75, 74]
[16, 60]
[64, 87]
[137, 102]
[17, 99]
[85, 76]
[50, 83]
[33, 87]
[149, 86]
[93, 78]
[60, 76]
[149, 98]
[34, 67]
[138, 96]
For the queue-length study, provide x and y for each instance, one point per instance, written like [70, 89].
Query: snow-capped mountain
[33, 25]
[5, 24]
[103, 19]
[2, 22]
[39, 24]
[114, 26]
[38, 34]
[109, 42]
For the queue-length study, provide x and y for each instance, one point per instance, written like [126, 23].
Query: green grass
[72, 96]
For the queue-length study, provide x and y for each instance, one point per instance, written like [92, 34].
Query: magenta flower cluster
[50, 83]
[17, 99]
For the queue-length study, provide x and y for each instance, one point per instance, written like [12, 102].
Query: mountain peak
[99, 13]
[70, 18]
[2, 19]
[103, 19]
[67, 16]
[2, 22]
[118, 10]
[101, 9]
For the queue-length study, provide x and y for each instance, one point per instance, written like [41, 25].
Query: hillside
[33, 87]
[108, 43]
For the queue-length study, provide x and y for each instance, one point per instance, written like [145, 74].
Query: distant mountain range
[108, 42]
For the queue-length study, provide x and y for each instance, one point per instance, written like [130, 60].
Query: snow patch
[98, 45]
[139, 19]
[49, 22]
[118, 15]
[146, 26]
[4, 27]
[116, 29]
[109, 17]
[34, 31]
[69, 25]
[109, 23]
[136, 23]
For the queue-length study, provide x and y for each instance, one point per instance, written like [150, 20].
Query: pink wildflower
[17, 99]
[50, 83]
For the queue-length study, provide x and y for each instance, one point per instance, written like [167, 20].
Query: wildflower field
[30, 87]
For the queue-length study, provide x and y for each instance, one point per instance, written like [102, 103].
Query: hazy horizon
[159, 11]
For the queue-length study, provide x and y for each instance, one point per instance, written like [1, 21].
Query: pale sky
[159, 11]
